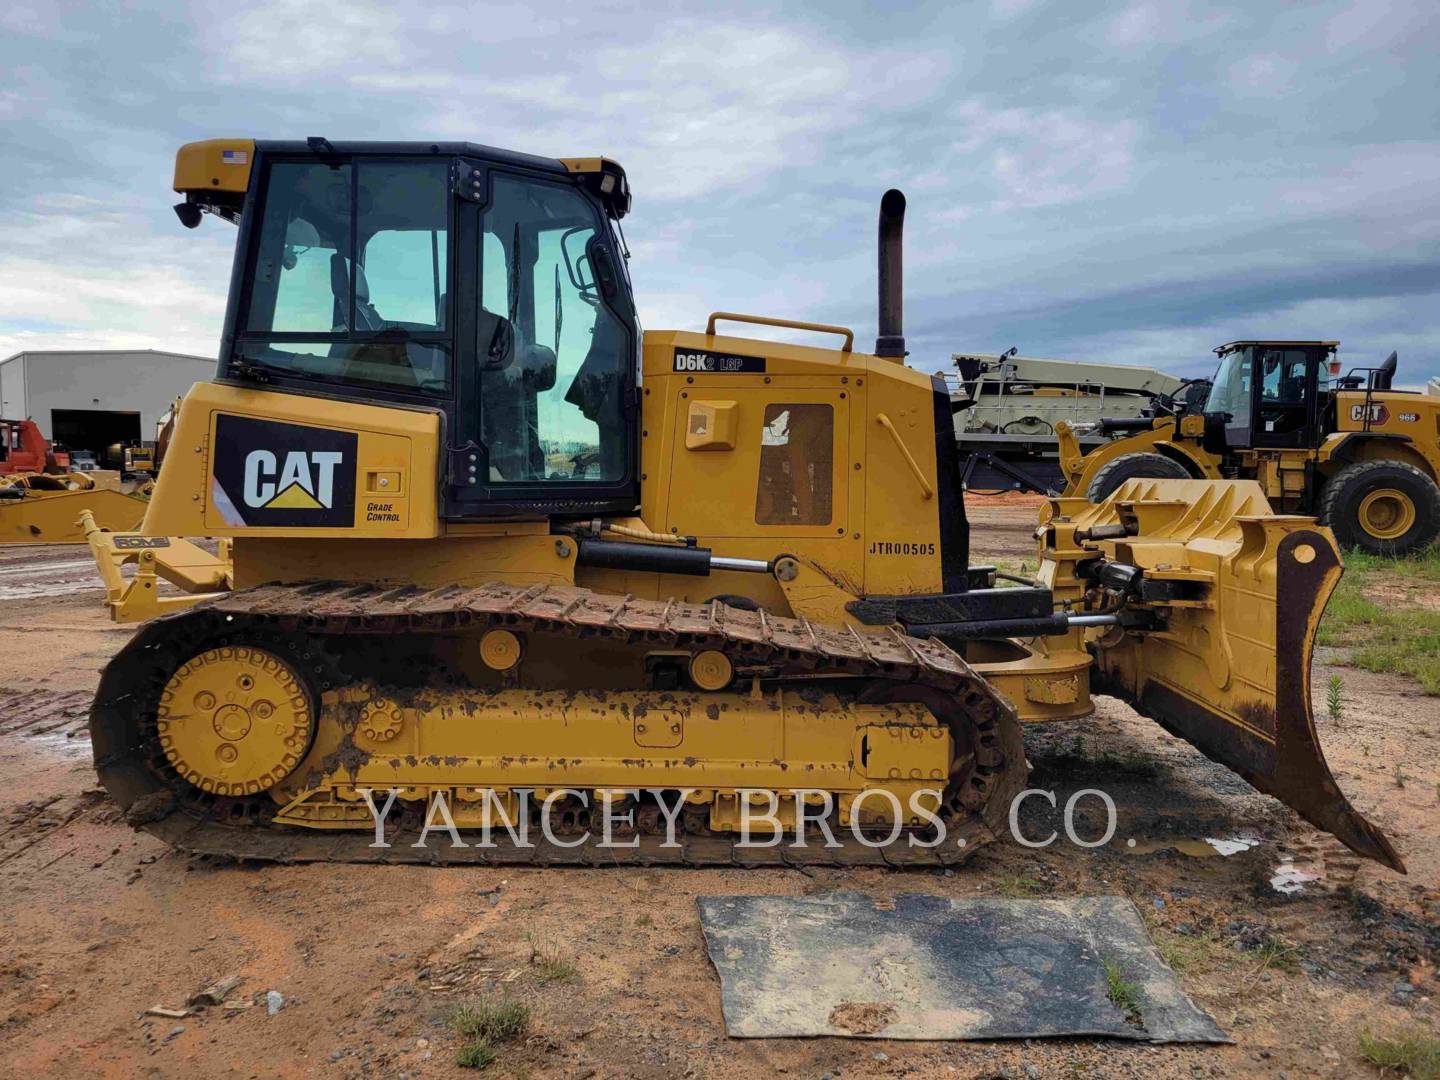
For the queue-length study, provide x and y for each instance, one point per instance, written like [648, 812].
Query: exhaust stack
[891, 340]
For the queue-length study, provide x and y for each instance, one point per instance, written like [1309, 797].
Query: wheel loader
[705, 594]
[1351, 450]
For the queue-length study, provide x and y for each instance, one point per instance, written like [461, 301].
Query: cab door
[1284, 401]
[545, 416]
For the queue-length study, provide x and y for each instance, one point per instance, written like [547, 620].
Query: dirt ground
[100, 923]
[1002, 526]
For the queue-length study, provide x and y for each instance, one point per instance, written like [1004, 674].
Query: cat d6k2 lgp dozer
[494, 548]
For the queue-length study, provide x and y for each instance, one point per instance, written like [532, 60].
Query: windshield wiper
[559, 310]
[243, 369]
[515, 276]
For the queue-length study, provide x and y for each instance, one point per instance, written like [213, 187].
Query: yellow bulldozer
[41, 498]
[1351, 450]
[496, 553]
[45, 508]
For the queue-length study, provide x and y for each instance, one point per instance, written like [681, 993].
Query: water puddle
[1291, 876]
[1202, 848]
[37, 580]
[40, 591]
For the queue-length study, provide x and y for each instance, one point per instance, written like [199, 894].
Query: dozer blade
[52, 517]
[1235, 594]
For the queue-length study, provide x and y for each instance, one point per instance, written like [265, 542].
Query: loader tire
[1382, 507]
[1142, 466]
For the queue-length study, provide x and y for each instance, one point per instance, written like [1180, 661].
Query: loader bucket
[1228, 604]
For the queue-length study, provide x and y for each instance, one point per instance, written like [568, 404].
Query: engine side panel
[248, 462]
[759, 447]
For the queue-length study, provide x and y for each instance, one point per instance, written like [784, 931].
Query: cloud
[1367, 24]
[767, 96]
[1010, 9]
[1263, 75]
[32, 20]
[1150, 24]
[1139, 182]
[78, 269]
[311, 40]
[1043, 157]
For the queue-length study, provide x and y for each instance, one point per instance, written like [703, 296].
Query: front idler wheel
[235, 720]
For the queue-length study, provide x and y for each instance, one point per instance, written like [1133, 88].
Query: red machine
[24, 449]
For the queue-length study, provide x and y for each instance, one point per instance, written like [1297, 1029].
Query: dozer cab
[1351, 450]
[494, 549]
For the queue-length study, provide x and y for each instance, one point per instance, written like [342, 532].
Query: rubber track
[783, 647]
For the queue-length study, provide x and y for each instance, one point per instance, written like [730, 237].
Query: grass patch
[1185, 953]
[1385, 638]
[1408, 643]
[484, 1023]
[1273, 952]
[1413, 1053]
[1178, 958]
[1349, 609]
[1025, 568]
[1022, 886]
[549, 963]
[476, 1054]
[1124, 995]
[1422, 566]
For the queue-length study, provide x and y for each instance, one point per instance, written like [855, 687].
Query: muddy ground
[100, 923]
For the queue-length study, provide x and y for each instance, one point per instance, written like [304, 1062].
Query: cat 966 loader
[494, 548]
[1351, 449]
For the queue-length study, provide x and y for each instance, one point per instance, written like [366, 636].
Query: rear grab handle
[791, 324]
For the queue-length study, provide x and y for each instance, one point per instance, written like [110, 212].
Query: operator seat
[596, 389]
[385, 362]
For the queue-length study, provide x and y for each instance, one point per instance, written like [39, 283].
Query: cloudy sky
[1134, 182]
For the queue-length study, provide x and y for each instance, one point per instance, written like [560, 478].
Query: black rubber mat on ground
[928, 967]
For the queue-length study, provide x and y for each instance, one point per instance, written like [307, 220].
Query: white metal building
[92, 400]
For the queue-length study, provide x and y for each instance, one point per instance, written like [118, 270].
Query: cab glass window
[1284, 393]
[404, 246]
[1283, 378]
[555, 360]
[355, 256]
[304, 230]
[1230, 393]
[797, 465]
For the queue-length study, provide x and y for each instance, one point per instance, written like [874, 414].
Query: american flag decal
[234, 157]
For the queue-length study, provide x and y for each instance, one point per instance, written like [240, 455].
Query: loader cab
[1269, 394]
[482, 284]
